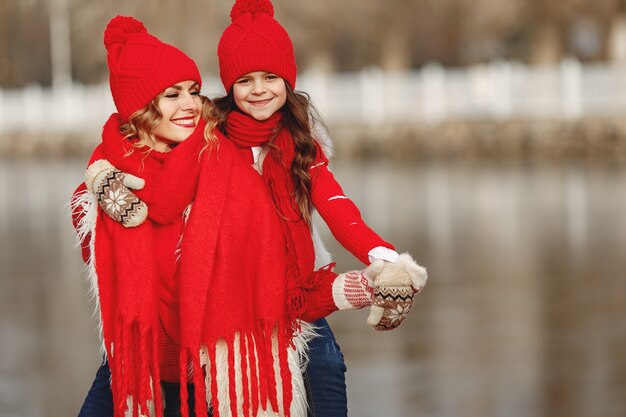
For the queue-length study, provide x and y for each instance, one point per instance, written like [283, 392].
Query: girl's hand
[394, 289]
[112, 189]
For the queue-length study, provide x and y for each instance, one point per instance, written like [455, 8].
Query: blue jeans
[99, 400]
[324, 380]
[324, 376]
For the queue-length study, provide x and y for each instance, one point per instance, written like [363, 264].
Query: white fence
[500, 90]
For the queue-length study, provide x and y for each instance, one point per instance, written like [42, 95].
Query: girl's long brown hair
[299, 114]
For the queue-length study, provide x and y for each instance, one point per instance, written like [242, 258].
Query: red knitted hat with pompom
[141, 66]
[255, 41]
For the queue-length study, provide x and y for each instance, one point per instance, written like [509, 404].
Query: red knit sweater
[345, 223]
[342, 216]
[338, 211]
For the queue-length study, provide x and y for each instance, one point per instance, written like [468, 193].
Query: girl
[272, 125]
[163, 299]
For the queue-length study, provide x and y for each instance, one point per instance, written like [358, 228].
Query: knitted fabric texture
[222, 300]
[141, 66]
[233, 288]
[245, 131]
[128, 294]
[255, 41]
[338, 211]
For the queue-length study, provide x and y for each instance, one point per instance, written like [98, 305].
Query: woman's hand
[112, 189]
[355, 289]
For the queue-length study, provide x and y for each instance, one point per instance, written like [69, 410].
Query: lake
[524, 314]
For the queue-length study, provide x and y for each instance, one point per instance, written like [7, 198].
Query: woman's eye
[171, 95]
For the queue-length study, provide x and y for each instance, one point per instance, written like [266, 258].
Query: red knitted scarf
[231, 278]
[126, 267]
[233, 288]
[245, 132]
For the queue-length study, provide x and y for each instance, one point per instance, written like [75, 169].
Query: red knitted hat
[141, 66]
[255, 41]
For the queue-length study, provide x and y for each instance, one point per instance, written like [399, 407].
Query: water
[524, 314]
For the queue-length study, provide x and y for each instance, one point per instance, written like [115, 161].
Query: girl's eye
[243, 81]
[195, 93]
[271, 77]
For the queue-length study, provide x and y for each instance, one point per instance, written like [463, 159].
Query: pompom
[255, 7]
[120, 28]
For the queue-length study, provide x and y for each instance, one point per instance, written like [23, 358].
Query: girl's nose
[258, 87]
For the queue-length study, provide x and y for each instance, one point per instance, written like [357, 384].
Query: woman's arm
[325, 292]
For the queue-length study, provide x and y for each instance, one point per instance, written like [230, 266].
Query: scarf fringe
[135, 371]
[238, 377]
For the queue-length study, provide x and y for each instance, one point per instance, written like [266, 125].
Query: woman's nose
[190, 102]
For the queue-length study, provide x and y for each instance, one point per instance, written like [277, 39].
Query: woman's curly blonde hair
[141, 124]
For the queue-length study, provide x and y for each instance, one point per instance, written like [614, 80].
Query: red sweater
[345, 223]
[342, 216]
[339, 212]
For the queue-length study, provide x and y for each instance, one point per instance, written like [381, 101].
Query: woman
[168, 302]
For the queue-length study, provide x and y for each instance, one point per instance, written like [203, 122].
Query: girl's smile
[260, 94]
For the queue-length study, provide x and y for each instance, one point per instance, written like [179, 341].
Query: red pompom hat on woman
[255, 41]
[141, 66]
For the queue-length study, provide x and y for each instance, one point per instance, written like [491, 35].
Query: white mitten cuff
[94, 171]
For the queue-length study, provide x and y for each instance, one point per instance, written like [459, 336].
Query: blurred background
[487, 138]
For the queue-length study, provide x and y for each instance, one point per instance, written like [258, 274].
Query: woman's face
[260, 94]
[181, 108]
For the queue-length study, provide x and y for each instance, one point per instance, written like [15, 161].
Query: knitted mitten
[112, 188]
[394, 288]
[354, 289]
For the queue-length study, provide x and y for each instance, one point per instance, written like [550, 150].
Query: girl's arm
[162, 196]
[169, 191]
[344, 218]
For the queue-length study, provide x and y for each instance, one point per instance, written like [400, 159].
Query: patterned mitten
[354, 289]
[112, 188]
[394, 288]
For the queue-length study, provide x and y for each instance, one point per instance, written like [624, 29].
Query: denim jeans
[99, 400]
[325, 375]
[324, 380]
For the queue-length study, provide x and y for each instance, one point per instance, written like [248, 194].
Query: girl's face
[181, 108]
[260, 94]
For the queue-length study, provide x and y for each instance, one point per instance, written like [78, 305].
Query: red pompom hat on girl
[141, 66]
[255, 41]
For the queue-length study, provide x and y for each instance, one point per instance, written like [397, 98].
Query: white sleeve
[383, 253]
